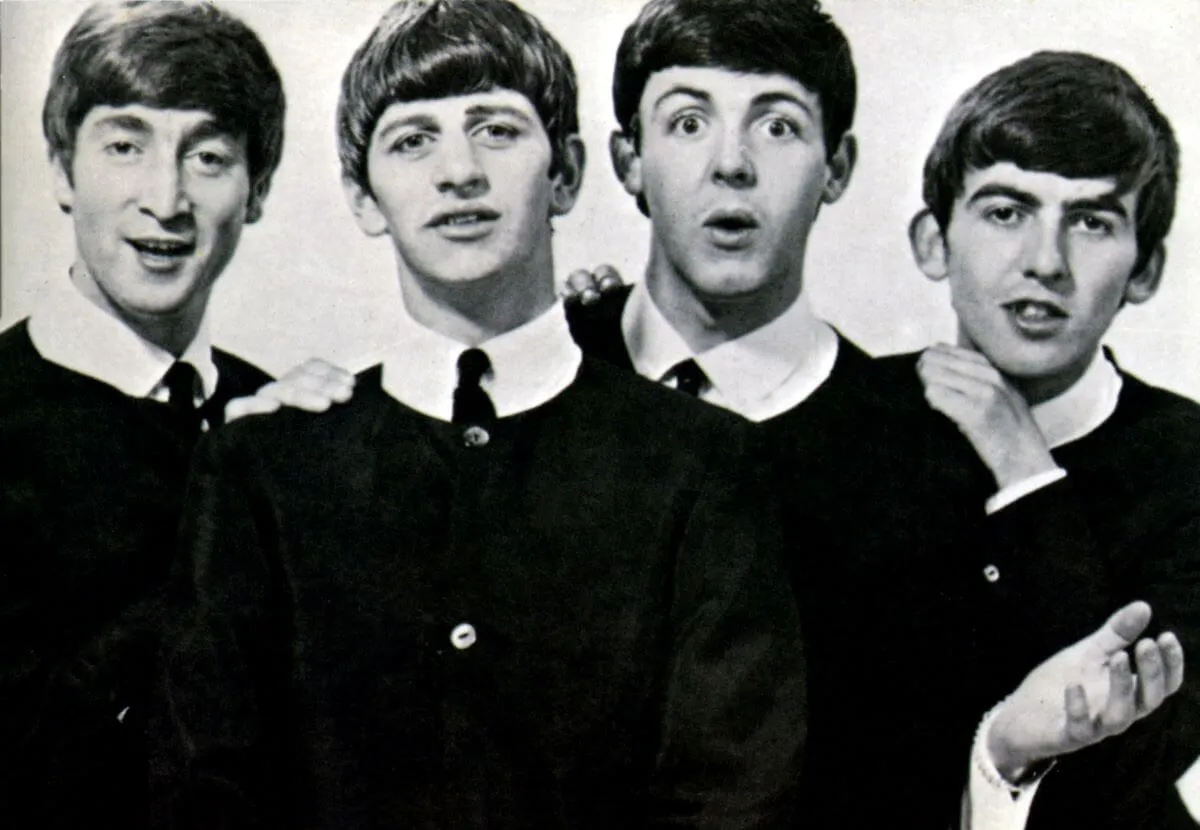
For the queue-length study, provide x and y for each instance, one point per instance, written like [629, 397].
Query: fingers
[1080, 728]
[581, 287]
[255, 405]
[1121, 709]
[1122, 629]
[321, 376]
[608, 278]
[1172, 655]
[1151, 672]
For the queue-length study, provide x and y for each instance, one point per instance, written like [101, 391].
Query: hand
[586, 287]
[994, 417]
[314, 385]
[1086, 693]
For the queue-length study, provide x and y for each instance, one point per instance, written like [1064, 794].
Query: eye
[777, 127]
[497, 133]
[1094, 225]
[1003, 214]
[121, 148]
[412, 143]
[687, 124]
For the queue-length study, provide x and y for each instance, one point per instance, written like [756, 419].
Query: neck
[705, 321]
[172, 332]
[474, 312]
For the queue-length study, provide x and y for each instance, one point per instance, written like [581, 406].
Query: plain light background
[306, 282]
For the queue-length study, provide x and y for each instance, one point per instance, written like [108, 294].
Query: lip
[1036, 318]
[730, 228]
[160, 253]
[464, 224]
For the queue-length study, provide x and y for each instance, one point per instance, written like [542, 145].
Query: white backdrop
[305, 281]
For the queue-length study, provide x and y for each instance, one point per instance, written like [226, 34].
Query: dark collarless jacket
[572, 619]
[909, 643]
[1123, 525]
[91, 483]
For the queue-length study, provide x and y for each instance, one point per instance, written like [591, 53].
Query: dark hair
[789, 37]
[1067, 113]
[440, 48]
[167, 55]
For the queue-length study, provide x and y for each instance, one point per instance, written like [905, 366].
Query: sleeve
[1005, 496]
[734, 723]
[992, 803]
[1054, 582]
[215, 737]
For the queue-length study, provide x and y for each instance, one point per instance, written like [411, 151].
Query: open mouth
[1033, 311]
[731, 229]
[463, 219]
[162, 254]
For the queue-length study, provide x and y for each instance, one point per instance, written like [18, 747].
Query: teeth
[1034, 312]
[464, 219]
[161, 247]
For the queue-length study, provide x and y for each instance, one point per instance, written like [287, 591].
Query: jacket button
[475, 437]
[463, 636]
[991, 573]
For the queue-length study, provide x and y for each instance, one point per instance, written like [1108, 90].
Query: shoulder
[237, 376]
[1158, 422]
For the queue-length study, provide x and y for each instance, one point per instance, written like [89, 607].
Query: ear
[1143, 285]
[626, 162]
[365, 210]
[64, 192]
[254, 203]
[568, 178]
[928, 245]
[841, 167]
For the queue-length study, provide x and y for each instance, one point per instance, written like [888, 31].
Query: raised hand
[1085, 693]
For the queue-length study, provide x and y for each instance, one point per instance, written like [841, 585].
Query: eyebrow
[1106, 202]
[682, 90]
[765, 99]
[485, 110]
[123, 121]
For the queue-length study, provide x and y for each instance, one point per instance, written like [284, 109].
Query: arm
[734, 721]
[314, 385]
[214, 737]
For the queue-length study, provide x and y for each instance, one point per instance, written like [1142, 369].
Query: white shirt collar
[531, 364]
[759, 375]
[68, 329]
[1083, 407]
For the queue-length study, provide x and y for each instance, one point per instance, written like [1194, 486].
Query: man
[505, 586]
[731, 140]
[1049, 193]
[164, 123]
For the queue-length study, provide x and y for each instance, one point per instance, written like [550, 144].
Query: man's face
[463, 186]
[158, 199]
[734, 168]
[1039, 265]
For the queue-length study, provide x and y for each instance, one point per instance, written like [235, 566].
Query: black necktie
[471, 404]
[181, 381]
[689, 377]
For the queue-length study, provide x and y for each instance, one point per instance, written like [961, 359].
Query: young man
[731, 140]
[164, 123]
[506, 585]
[1048, 193]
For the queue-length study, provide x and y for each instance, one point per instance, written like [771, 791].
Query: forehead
[152, 120]
[726, 88]
[456, 109]
[1045, 187]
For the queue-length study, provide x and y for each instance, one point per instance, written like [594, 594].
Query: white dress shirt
[531, 364]
[71, 331]
[760, 375]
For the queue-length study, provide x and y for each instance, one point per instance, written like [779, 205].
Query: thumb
[1123, 628]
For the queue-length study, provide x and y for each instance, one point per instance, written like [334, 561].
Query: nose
[460, 171]
[1044, 253]
[733, 166]
[163, 193]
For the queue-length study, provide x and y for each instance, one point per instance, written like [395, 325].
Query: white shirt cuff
[993, 803]
[1188, 787]
[1021, 489]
